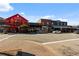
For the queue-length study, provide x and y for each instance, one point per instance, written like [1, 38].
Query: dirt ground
[34, 43]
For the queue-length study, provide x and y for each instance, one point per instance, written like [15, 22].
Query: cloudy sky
[33, 12]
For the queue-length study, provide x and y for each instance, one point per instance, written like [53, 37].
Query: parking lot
[5, 36]
[42, 38]
[42, 44]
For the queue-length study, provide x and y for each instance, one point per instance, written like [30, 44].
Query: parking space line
[7, 37]
[60, 41]
[2, 35]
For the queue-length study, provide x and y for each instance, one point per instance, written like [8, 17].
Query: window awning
[61, 27]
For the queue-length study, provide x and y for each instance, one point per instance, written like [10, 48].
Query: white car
[57, 32]
[76, 31]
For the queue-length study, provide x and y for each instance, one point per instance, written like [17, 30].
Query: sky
[34, 11]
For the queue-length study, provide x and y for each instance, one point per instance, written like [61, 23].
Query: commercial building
[17, 23]
[35, 27]
[1, 24]
[52, 25]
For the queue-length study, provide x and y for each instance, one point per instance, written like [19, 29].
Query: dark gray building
[53, 25]
[61, 25]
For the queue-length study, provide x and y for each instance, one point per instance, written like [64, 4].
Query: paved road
[60, 41]
[67, 44]
[43, 38]
[5, 36]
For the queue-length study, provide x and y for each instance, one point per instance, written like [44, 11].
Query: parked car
[56, 31]
[5, 31]
[76, 31]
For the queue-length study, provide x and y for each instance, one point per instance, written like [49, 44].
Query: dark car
[5, 31]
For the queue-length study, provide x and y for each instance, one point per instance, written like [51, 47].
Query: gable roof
[17, 15]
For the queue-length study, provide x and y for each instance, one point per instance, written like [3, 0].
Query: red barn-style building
[15, 21]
